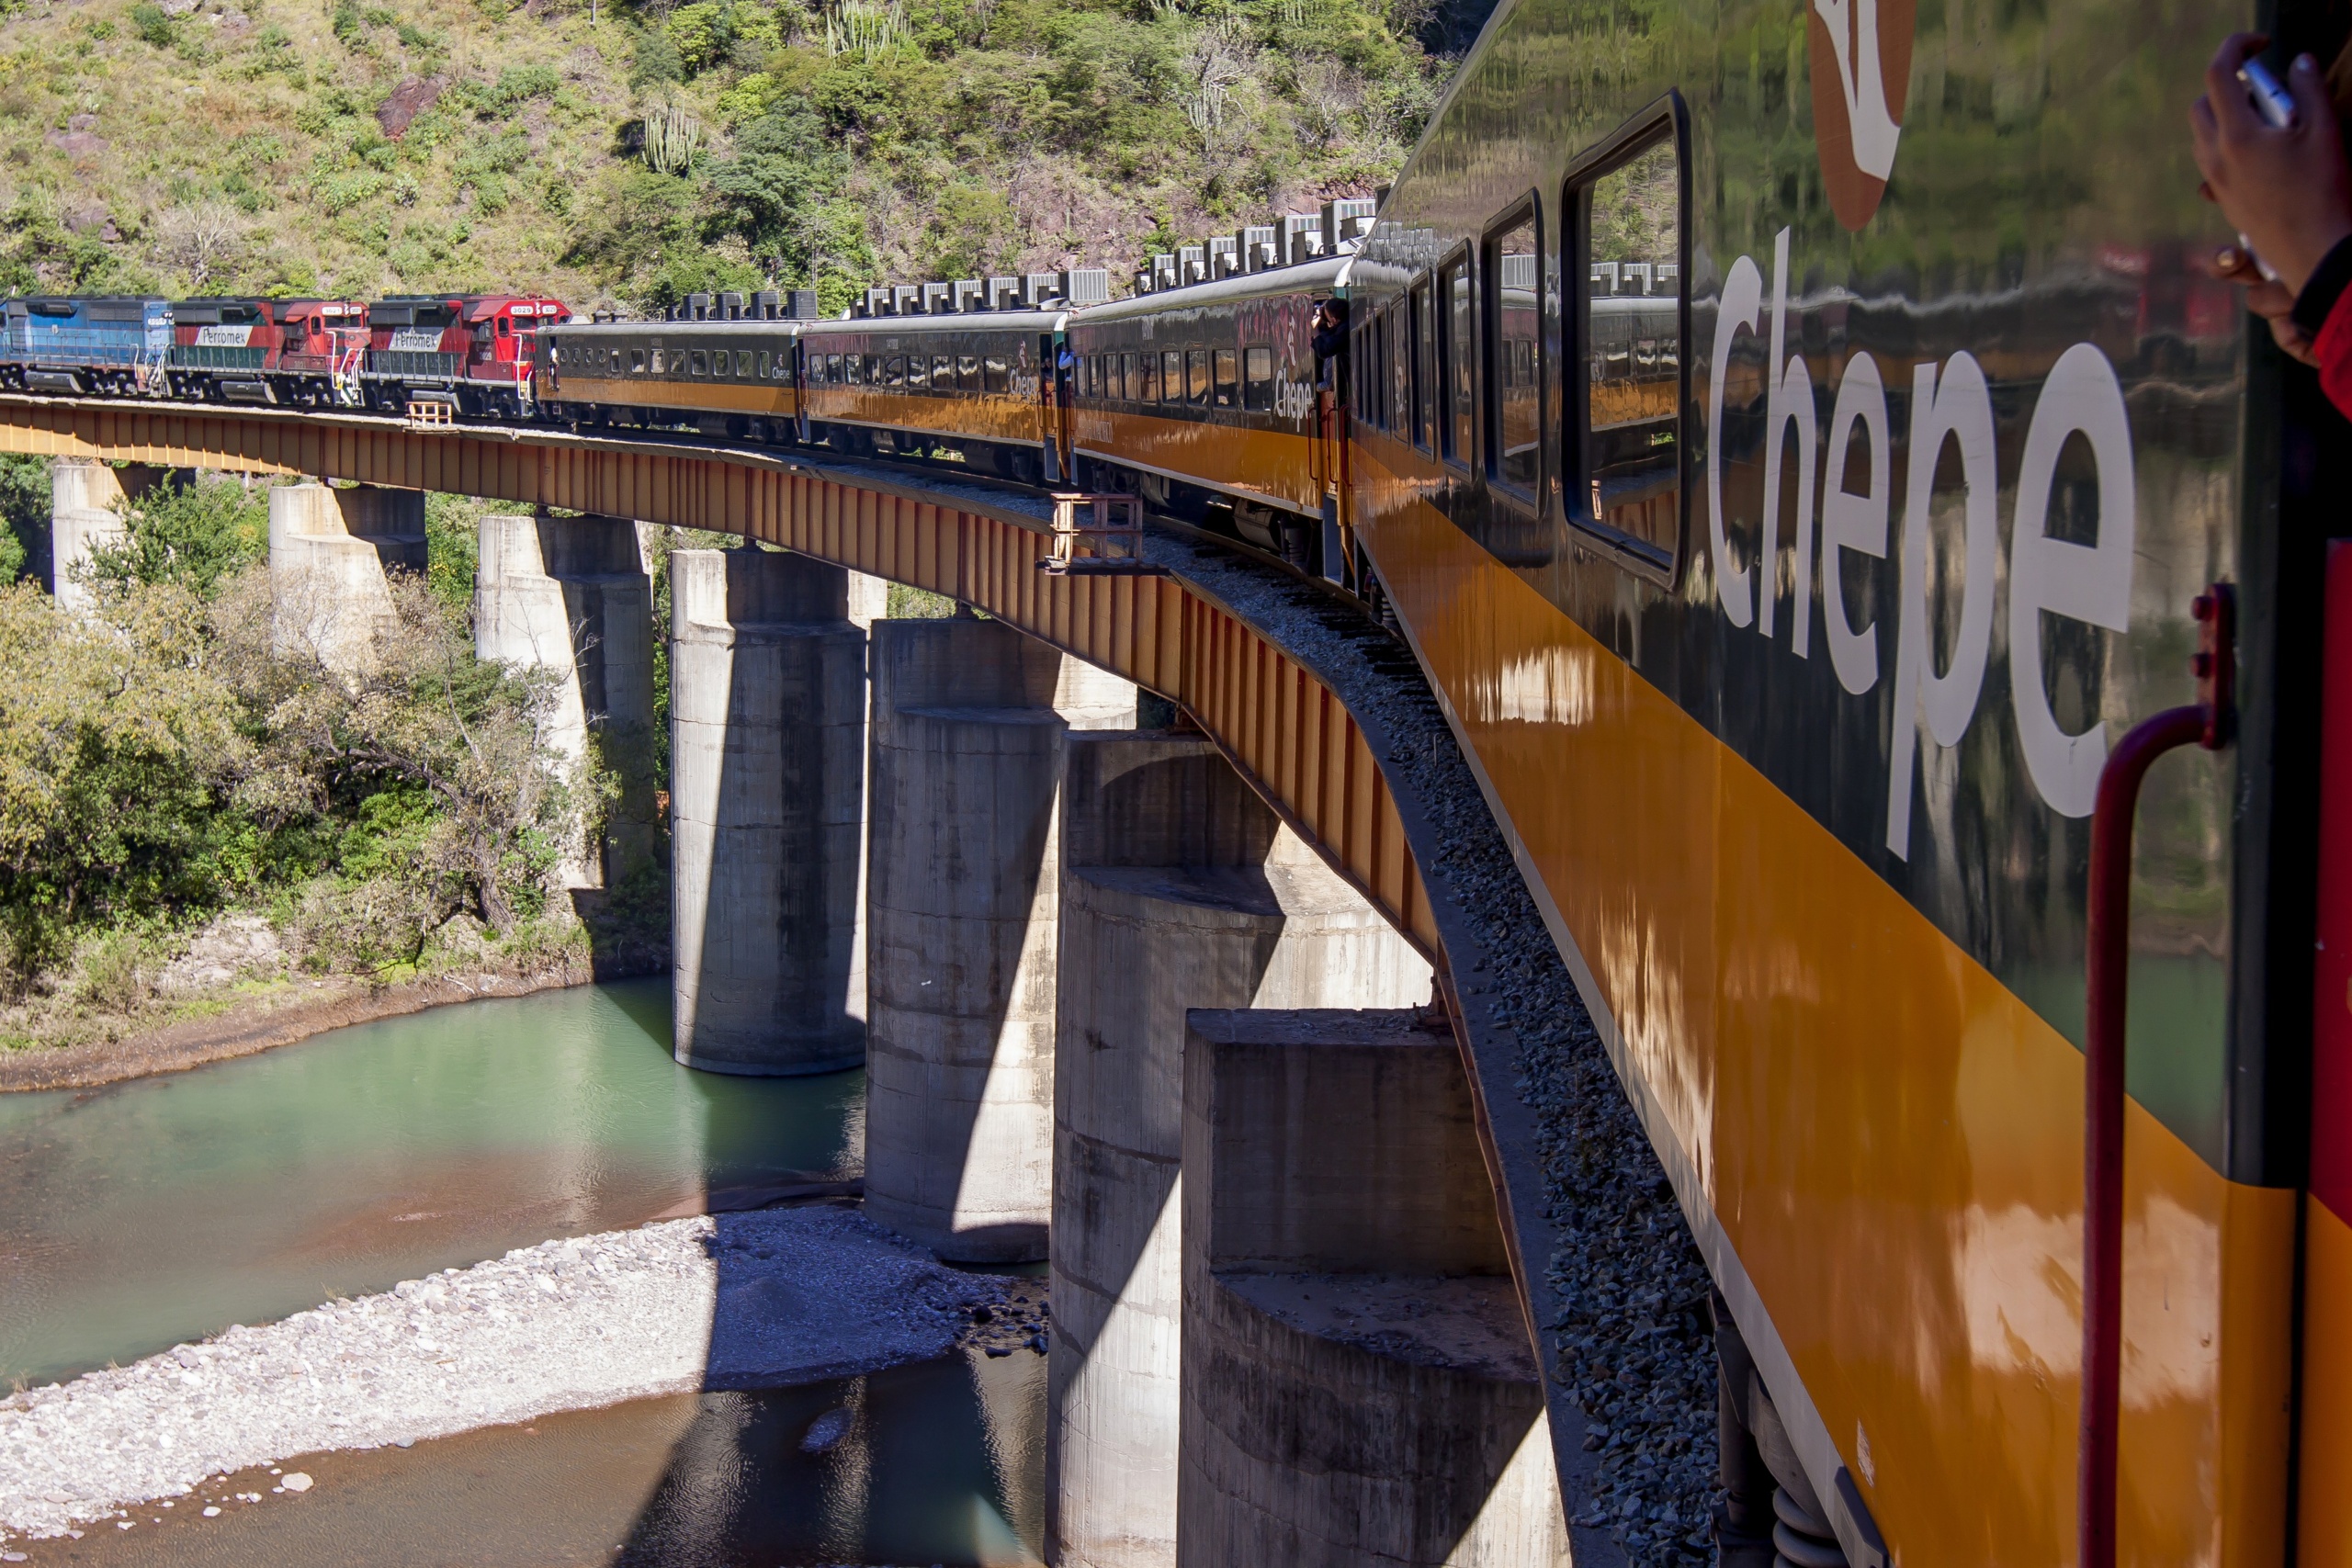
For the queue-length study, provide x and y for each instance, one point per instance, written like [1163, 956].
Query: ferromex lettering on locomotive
[1793, 438]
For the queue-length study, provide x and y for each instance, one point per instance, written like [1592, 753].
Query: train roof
[1323, 275]
[965, 321]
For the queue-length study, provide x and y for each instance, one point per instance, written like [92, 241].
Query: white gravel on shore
[766, 1298]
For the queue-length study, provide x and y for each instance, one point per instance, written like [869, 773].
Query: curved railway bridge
[1328, 719]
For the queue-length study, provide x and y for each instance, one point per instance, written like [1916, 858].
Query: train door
[800, 389]
[1054, 367]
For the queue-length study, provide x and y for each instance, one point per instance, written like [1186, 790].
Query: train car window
[1514, 321]
[943, 373]
[1172, 375]
[1197, 380]
[894, 371]
[1130, 387]
[1228, 379]
[1456, 355]
[1625, 446]
[744, 361]
[1147, 389]
[698, 363]
[763, 365]
[967, 373]
[1258, 379]
[854, 368]
[1398, 365]
[636, 362]
[832, 371]
[998, 376]
[1422, 349]
[917, 371]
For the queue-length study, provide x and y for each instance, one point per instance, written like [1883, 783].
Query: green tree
[191, 535]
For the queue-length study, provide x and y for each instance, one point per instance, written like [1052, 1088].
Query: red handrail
[2108, 960]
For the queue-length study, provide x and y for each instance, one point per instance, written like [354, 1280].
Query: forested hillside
[631, 153]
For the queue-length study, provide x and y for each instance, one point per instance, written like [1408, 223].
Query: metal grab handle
[2109, 960]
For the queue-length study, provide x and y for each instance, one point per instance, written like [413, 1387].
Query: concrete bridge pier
[329, 551]
[1359, 1381]
[1180, 889]
[571, 596]
[85, 500]
[767, 716]
[962, 927]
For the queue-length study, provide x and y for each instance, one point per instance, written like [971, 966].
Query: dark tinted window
[701, 364]
[1423, 350]
[894, 371]
[1172, 375]
[1627, 483]
[1399, 377]
[1228, 379]
[1456, 355]
[1258, 379]
[1514, 316]
[1149, 392]
[917, 371]
[1000, 378]
[967, 373]
[1196, 376]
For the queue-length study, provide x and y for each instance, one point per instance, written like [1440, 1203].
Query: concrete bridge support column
[1180, 889]
[962, 930]
[571, 596]
[1358, 1382]
[85, 500]
[329, 550]
[767, 715]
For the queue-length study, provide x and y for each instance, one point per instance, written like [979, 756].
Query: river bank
[239, 1024]
[768, 1299]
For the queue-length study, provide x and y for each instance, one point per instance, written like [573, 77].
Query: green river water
[141, 1214]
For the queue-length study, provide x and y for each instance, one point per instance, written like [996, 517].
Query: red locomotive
[469, 355]
[302, 352]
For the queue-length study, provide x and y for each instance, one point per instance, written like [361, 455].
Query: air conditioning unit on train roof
[938, 299]
[800, 304]
[1302, 237]
[906, 299]
[1256, 244]
[1143, 280]
[730, 305]
[1224, 256]
[1039, 289]
[697, 307]
[968, 295]
[1163, 272]
[1192, 264]
[1004, 293]
[1086, 285]
[1347, 222]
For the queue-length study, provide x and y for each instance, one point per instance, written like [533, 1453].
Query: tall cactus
[671, 135]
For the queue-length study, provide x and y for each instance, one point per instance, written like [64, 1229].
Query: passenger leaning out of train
[2288, 191]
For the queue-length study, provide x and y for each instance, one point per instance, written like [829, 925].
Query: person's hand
[2266, 299]
[2287, 189]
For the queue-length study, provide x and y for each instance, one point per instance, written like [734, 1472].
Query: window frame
[1527, 212]
[1420, 369]
[1252, 399]
[1462, 261]
[1225, 378]
[1171, 387]
[1665, 121]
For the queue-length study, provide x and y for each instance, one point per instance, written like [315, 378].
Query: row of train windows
[741, 364]
[917, 372]
[1478, 320]
[1206, 378]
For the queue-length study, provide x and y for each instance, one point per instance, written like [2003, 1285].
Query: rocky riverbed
[766, 1298]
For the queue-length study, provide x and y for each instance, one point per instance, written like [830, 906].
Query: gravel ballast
[1622, 1292]
[762, 1300]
